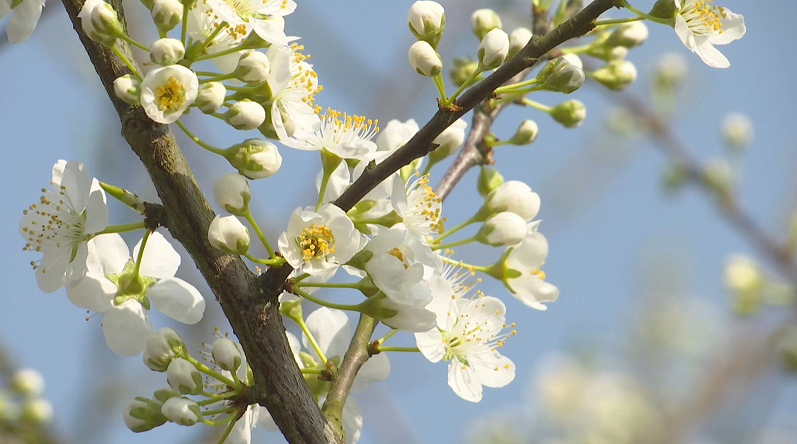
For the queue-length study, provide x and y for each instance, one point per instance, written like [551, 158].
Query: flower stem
[126, 60]
[441, 88]
[644, 15]
[219, 411]
[196, 54]
[225, 420]
[387, 336]
[467, 83]
[184, 32]
[537, 105]
[354, 285]
[217, 398]
[318, 301]
[141, 252]
[451, 231]
[232, 50]
[121, 228]
[210, 372]
[311, 371]
[259, 233]
[454, 244]
[199, 141]
[616, 21]
[134, 42]
[398, 349]
[577, 49]
[273, 261]
[515, 86]
[219, 78]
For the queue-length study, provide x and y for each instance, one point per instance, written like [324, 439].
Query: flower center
[170, 95]
[304, 80]
[424, 207]
[338, 128]
[398, 254]
[54, 224]
[316, 241]
[243, 8]
[703, 18]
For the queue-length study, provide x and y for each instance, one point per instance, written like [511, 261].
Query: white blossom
[493, 49]
[293, 85]
[418, 205]
[61, 223]
[264, 17]
[514, 196]
[128, 88]
[245, 115]
[229, 235]
[426, 18]
[346, 136]
[24, 18]
[701, 26]
[253, 67]
[526, 259]
[483, 21]
[210, 97]
[166, 14]
[167, 92]
[504, 228]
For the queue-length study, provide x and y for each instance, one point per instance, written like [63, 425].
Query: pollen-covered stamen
[398, 254]
[474, 329]
[539, 273]
[304, 80]
[53, 223]
[456, 274]
[316, 241]
[702, 17]
[339, 128]
[170, 96]
[424, 207]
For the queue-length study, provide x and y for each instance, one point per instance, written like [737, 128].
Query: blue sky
[602, 227]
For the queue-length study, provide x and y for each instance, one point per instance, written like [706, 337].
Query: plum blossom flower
[264, 17]
[24, 18]
[346, 136]
[468, 334]
[167, 92]
[61, 223]
[202, 24]
[319, 241]
[418, 205]
[122, 289]
[528, 283]
[293, 85]
[701, 26]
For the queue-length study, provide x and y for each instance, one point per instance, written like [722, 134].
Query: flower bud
[105, 20]
[128, 88]
[166, 51]
[167, 14]
[737, 131]
[628, 35]
[253, 67]
[255, 158]
[513, 196]
[27, 382]
[143, 414]
[231, 192]
[38, 411]
[461, 70]
[210, 97]
[746, 283]
[493, 49]
[184, 377]
[245, 115]
[226, 354]
[670, 70]
[449, 140]
[489, 179]
[574, 59]
[427, 20]
[424, 59]
[718, 175]
[502, 229]
[570, 114]
[483, 21]
[229, 235]
[181, 411]
[518, 39]
[606, 52]
[161, 348]
[559, 75]
[526, 133]
[88, 26]
[616, 75]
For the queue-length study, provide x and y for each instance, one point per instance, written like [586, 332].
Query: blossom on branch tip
[25, 16]
[427, 19]
[701, 26]
[167, 92]
[61, 223]
[166, 14]
[90, 25]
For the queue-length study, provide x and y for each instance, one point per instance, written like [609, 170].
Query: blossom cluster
[395, 246]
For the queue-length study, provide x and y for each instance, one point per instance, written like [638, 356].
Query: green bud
[665, 9]
[461, 70]
[105, 21]
[559, 75]
[526, 133]
[143, 414]
[616, 75]
[489, 179]
[570, 114]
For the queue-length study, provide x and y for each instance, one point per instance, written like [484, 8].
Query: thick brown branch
[250, 304]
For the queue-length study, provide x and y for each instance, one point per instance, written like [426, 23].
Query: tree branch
[252, 309]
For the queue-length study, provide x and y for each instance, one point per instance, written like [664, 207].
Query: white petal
[108, 254]
[58, 168]
[75, 183]
[178, 300]
[94, 292]
[126, 328]
[463, 380]
[352, 421]
[51, 273]
[710, 55]
[331, 330]
[160, 259]
[492, 369]
[23, 21]
[241, 432]
[375, 369]
[96, 212]
[431, 344]
[733, 28]
[5, 8]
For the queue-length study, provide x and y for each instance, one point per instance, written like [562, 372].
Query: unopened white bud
[229, 235]
[427, 20]
[574, 59]
[502, 229]
[227, 354]
[570, 114]
[184, 377]
[737, 130]
[526, 133]
[483, 21]
[424, 59]
[105, 20]
[560, 75]
[210, 97]
[128, 88]
[87, 24]
[616, 75]
[746, 282]
[493, 49]
[39, 411]
[245, 115]
[518, 39]
[27, 382]
[670, 70]
[253, 67]
[449, 140]
[167, 14]
[142, 414]
[255, 158]
[162, 347]
[513, 196]
[628, 35]
[231, 191]
[166, 51]
[181, 411]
